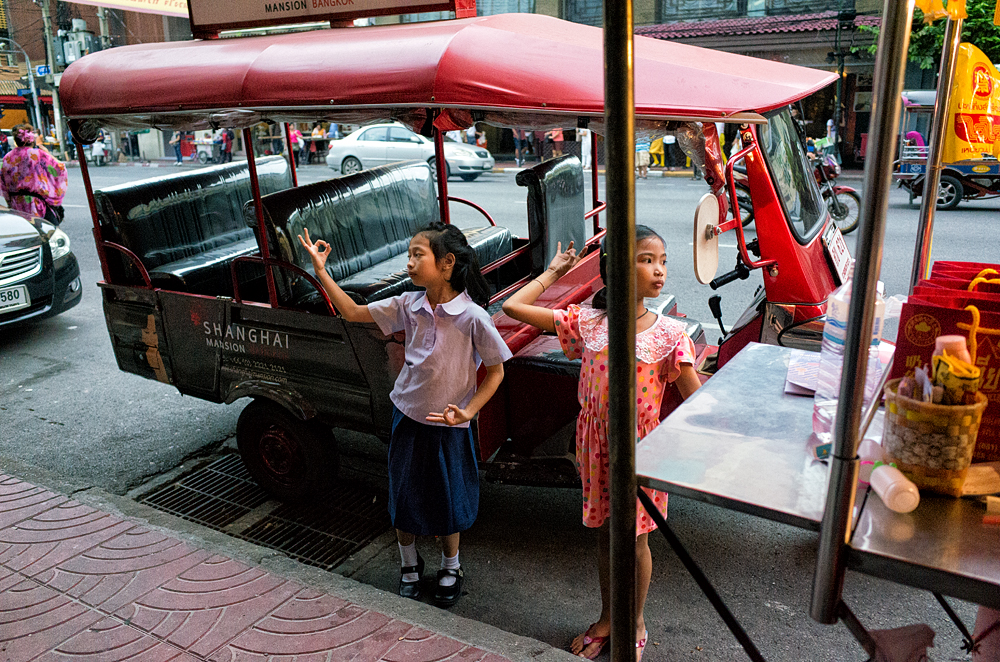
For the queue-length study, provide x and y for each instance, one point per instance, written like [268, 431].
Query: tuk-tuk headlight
[58, 243]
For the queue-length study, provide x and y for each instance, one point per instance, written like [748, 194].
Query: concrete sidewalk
[81, 579]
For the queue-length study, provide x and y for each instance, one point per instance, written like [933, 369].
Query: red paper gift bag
[927, 316]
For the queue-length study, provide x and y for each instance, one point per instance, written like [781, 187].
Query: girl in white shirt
[433, 473]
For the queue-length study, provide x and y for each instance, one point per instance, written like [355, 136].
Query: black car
[39, 275]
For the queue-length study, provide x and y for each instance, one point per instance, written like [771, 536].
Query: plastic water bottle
[831, 359]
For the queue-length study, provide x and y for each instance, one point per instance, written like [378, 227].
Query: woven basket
[931, 444]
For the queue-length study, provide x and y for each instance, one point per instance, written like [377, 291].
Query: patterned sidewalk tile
[208, 605]
[34, 619]
[48, 538]
[421, 645]
[121, 570]
[20, 500]
[109, 640]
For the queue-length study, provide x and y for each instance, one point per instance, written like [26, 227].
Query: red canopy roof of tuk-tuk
[502, 63]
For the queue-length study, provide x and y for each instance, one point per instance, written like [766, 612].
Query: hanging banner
[975, 108]
[209, 17]
[177, 8]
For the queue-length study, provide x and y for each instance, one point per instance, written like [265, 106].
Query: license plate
[836, 249]
[13, 298]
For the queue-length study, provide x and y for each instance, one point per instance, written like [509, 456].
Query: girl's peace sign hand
[451, 415]
[563, 262]
[318, 252]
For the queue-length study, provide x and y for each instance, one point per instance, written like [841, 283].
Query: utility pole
[52, 77]
[102, 19]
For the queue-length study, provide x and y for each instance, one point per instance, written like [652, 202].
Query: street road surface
[67, 409]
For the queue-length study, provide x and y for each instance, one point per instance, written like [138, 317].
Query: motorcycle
[99, 153]
[843, 202]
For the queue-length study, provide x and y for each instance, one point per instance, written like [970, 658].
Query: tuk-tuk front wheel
[950, 192]
[287, 457]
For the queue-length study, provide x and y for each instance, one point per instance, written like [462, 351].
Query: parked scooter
[844, 202]
[99, 152]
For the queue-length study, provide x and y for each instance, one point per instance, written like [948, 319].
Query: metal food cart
[701, 450]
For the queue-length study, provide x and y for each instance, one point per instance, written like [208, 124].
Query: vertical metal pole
[619, 141]
[595, 198]
[265, 249]
[102, 21]
[50, 52]
[893, 43]
[291, 155]
[98, 236]
[442, 175]
[939, 126]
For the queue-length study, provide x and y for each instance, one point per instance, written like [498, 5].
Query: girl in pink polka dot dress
[664, 356]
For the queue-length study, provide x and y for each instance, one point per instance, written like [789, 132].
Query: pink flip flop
[640, 646]
[588, 640]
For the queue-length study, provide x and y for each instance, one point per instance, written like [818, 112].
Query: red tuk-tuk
[205, 288]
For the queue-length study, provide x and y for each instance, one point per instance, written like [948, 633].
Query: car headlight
[58, 243]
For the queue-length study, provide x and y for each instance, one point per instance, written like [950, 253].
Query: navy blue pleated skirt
[433, 477]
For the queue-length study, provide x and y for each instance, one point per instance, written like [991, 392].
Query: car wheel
[432, 162]
[288, 458]
[350, 165]
[471, 177]
[950, 192]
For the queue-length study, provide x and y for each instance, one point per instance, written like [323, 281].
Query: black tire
[432, 162]
[950, 192]
[745, 205]
[845, 209]
[290, 459]
[471, 177]
[350, 165]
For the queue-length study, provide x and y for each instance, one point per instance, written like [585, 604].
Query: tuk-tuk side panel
[304, 357]
[380, 358]
[193, 325]
[803, 275]
[135, 326]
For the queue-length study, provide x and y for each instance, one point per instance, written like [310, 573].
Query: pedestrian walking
[227, 145]
[664, 355]
[33, 180]
[175, 140]
[583, 135]
[433, 473]
[642, 156]
[295, 138]
[556, 137]
[520, 144]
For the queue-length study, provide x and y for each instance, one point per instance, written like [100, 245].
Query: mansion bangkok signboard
[209, 17]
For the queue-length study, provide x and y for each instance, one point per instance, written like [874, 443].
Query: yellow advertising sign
[974, 116]
[163, 7]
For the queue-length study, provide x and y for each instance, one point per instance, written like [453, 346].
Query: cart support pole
[265, 248]
[893, 45]
[619, 118]
[441, 166]
[98, 235]
[594, 193]
[939, 126]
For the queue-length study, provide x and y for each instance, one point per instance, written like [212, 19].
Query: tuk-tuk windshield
[792, 174]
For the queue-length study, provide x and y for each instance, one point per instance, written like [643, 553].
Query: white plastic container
[896, 491]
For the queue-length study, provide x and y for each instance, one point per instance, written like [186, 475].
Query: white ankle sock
[448, 564]
[408, 557]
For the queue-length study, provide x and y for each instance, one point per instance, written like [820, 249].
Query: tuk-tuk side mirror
[706, 242]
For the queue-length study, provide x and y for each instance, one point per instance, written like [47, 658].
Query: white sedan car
[378, 144]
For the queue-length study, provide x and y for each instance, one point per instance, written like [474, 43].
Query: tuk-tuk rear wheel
[287, 457]
[950, 192]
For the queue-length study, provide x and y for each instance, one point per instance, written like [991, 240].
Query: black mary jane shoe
[446, 596]
[411, 589]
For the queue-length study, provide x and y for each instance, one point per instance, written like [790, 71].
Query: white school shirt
[443, 350]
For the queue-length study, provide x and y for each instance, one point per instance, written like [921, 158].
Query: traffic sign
[42, 70]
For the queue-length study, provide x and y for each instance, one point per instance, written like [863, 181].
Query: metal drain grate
[216, 495]
[324, 536]
[222, 496]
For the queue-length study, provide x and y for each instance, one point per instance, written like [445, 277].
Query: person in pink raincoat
[33, 180]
